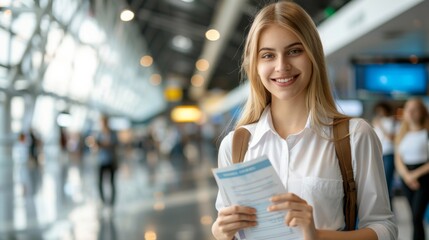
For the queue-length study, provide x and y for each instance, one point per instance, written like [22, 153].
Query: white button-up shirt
[308, 167]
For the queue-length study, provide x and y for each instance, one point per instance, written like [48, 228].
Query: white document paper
[251, 184]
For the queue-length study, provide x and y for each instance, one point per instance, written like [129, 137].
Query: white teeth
[284, 80]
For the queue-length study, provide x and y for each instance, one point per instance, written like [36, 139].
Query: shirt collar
[265, 124]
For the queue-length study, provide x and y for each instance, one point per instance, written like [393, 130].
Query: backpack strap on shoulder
[343, 151]
[240, 143]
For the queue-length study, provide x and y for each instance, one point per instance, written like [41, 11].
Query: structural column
[6, 167]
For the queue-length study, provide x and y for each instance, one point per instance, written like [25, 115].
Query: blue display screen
[393, 78]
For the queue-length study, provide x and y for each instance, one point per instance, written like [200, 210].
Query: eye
[295, 51]
[267, 55]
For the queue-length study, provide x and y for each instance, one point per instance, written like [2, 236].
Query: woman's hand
[411, 179]
[232, 219]
[299, 213]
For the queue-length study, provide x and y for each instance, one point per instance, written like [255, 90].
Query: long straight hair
[319, 99]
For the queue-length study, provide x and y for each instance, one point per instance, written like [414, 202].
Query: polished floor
[156, 198]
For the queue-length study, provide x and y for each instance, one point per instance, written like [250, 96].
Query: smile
[285, 79]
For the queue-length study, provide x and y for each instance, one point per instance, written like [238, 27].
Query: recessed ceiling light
[146, 61]
[155, 79]
[212, 35]
[202, 65]
[127, 15]
[182, 43]
[187, 1]
[197, 80]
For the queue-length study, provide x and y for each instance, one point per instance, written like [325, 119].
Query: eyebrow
[288, 46]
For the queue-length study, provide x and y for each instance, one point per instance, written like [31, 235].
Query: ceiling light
[127, 15]
[182, 43]
[146, 61]
[186, 114]
[150, 235]
[197, 80]
[212, 35]
[155, 79]
[187, 1]
[202, 65]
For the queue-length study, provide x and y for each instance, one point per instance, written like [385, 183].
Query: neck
[289, 117]
[415, 126]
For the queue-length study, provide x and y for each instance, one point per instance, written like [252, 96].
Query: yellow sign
[173, 94]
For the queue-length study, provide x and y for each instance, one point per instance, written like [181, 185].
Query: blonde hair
[319, 98]
[405, 125]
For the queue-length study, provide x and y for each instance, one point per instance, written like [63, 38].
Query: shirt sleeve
[224, 159]
[374, 209]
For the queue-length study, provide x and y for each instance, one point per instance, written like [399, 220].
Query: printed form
[251, 184]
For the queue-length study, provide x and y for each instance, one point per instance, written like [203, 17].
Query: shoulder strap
[240, 143]
[343, 151]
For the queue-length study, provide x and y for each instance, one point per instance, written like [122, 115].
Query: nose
[282, 65]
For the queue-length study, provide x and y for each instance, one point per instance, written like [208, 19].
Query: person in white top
[290, 114]
[384, 124]
[411, 161]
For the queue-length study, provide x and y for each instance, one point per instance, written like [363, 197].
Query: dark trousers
[107, 169]
[418, 201]
[389, 169]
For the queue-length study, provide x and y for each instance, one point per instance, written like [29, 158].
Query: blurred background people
[34, 147]
[385, 126]
[411, 161]
[107, 141]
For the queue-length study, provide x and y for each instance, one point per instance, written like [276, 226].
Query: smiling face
[283, 65]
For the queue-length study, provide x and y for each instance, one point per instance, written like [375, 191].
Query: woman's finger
[236, 209]
[237, 218]
[234, 218]
[291, 215]
[235, 226]
[288, 205]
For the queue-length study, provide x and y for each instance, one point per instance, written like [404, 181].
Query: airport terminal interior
[165, 76]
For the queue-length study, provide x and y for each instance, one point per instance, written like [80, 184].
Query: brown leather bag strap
[240, 143]
[343, 151]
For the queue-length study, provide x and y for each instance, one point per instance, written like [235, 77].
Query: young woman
[411, 161]
[289, 114]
